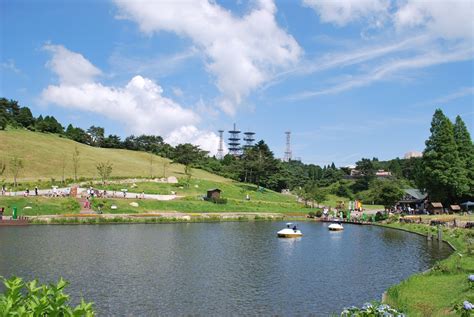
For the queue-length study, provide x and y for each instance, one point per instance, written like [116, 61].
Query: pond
[217, 268]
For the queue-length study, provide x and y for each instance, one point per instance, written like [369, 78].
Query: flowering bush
[31, 299]
[374, 309]
[465, 309]
[471, 280]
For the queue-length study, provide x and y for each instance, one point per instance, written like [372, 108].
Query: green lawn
[42, 155]
[435, 293]
[39, 205]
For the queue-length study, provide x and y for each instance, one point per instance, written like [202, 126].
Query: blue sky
[350, 78]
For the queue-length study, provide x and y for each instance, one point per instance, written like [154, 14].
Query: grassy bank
[145, 219]
[434, 293]
[33, 206]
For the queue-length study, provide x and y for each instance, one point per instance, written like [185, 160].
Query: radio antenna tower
[288, 153]
[234, 142]
[249, 138]
[220, 150]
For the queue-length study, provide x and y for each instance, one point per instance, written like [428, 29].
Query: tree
[387, 193]
[165, 167]
[465, 150]
[3, 167]
[25, 117]
[105, 170]
[63, 167]
[444, 177]
[16, 165]
[96, 136]
[75, 162]
[151, 157]
[319, 195]
[367, 169]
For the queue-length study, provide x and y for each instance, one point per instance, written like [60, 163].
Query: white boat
[335, 227]
[289, 232]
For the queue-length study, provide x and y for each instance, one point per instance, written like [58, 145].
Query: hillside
[42, 155]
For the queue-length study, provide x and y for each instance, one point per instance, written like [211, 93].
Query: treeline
[446, 170]
[16, 116]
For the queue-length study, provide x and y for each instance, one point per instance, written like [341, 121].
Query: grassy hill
[42, 155]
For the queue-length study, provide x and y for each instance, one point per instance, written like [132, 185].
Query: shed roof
[455, 207]
[437, 205]
[416, 193]
[214, 190]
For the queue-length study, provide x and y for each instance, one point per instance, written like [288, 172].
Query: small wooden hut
[213, 194]
[435, 208]
[455, 208]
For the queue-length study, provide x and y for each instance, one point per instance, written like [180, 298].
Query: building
[214, 193]
[412, 154]
[383, 173]
[413, 199]
[435, 208]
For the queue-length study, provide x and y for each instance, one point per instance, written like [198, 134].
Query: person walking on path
[36, 190]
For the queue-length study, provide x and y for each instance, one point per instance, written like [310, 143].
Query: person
[247, 197]
[288, 226]
[3, 190]
[1, 212]
[36, 190]
[294, 227]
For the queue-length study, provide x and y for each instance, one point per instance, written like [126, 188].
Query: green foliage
[444, 175]
[32, 299]
[374, 309]
[105, 170]
[386, 193]
[465, 149]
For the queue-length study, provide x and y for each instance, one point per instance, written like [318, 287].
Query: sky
[348, 78]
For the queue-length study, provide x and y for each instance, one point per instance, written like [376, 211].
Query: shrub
[319, 213]
[311, 214]
[31, 299]
[374, 309]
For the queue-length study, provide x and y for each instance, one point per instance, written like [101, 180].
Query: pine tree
[443, 175]
[465, 150]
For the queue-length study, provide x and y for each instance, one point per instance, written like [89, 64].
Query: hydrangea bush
[374, 309]
[32, 299]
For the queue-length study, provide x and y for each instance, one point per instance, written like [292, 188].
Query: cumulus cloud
[449, 19]
[243, 52]
[208, 141]
[342, 12]
[71, 68]
[139, 105]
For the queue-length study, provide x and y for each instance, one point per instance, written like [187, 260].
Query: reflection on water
[217, 269]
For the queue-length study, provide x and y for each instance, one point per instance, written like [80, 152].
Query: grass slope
[42, 155]
[436, 292]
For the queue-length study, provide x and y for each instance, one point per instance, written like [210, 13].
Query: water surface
[217, 268]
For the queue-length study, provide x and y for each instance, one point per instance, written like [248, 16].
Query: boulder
[172, 180]
[134, 204]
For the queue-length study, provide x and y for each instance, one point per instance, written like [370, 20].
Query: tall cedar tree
[444, 177]
[465, 149]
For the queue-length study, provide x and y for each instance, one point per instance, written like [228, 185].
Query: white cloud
[449, 19]
[140, 105]
[342, 12]
[71, 67]
[10, 65]
[243, 52]
[386, 70]
[208, 141]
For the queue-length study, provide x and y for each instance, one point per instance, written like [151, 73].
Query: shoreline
[396, 295]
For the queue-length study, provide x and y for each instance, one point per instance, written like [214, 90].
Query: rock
[134, 204]
[27, 207]
[172, 180]
[196, 186]
[113, 207]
